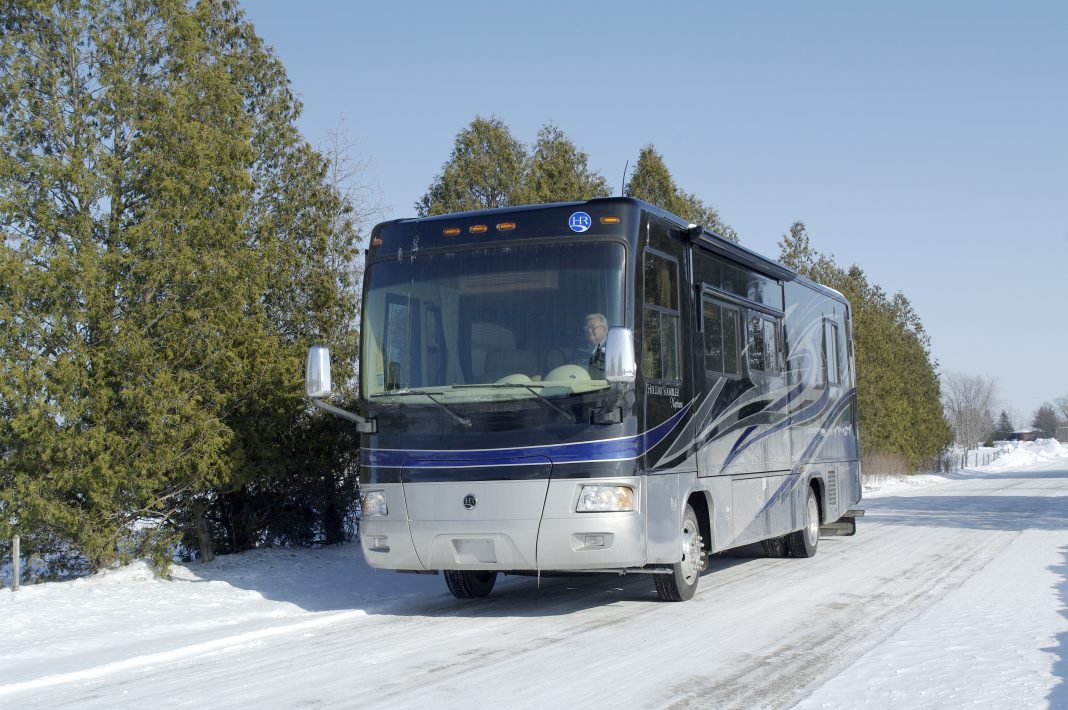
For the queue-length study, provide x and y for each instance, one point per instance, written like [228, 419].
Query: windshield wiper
[528, 388]
[441, 405]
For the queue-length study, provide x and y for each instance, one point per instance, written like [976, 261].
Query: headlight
[605, 499]
[374, 503]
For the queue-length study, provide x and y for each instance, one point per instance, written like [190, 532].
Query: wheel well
[699, 502]
[818, 485]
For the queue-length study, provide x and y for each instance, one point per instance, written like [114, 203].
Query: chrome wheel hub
[692, 553]
[812, 522]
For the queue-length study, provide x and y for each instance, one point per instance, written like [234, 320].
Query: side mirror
[317, 372]
[619, 363]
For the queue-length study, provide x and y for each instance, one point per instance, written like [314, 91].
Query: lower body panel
[511, 526]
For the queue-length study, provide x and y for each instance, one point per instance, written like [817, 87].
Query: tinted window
[722, 328]
[661, 281]
[660, 321]
[763, 344]
[831, 358]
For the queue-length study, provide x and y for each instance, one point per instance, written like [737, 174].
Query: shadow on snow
[1014, 508]
[338, 579]
[1058, 697]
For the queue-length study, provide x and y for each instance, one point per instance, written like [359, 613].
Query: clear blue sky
[925, 141]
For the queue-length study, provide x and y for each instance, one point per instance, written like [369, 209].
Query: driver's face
[595, 332]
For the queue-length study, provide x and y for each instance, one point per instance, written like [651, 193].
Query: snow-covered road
[951, 594]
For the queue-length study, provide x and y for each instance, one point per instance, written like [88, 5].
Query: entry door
[662, 362]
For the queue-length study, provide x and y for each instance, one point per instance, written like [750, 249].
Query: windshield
[502, 323]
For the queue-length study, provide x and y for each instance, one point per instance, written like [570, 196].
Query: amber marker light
[478, 228]
[505, 226]
[451, 231]
[609, 220]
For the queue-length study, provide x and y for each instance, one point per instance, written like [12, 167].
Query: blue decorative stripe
[792, 481]
[790, 396]
[817, 441]
[807, 413]
[738, 447]
[626, 448]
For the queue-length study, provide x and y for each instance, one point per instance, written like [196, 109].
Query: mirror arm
[364, 426]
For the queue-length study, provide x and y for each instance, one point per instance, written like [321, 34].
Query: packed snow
[953, 593]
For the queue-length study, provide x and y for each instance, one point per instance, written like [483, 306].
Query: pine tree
[651, 181]
[489, 168]
[166, 236]
[1045, 420]
[1003, 429]
[484, 171]
[558, 172]
[795, 249]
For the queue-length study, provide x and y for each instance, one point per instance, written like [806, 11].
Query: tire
[681, 583]
[775, 547]
[470, 584]
[803, 543]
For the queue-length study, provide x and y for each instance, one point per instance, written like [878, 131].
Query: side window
[831, 356]
[763, 343]
[723, 338]
[660, 320]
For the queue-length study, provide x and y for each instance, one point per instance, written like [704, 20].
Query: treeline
[171, 247]
[490, 168]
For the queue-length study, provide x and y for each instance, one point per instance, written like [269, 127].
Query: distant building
[1062, 433]
[1025, 435]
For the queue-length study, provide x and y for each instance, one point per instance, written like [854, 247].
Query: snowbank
[1014, 454]
[1010, 455]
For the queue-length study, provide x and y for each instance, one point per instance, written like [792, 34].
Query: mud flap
[845, 526]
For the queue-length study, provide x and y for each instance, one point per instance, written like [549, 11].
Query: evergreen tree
[898, 396]
[1045, 421]
[1003, 428]
[558, 172]
[651, 181]
[489, 168]
[167, 234]
[484, 171]
[795, 249]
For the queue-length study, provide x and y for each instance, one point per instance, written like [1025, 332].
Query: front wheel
[803, 542]
[681, 583]
[469, 584]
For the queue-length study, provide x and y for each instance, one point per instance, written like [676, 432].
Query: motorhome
[594, 387]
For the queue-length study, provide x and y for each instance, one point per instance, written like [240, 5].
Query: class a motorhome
[594, 387]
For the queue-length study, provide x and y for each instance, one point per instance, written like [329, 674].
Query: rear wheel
[469, 584]
[803, 542]
[681, 583]
[774, 547]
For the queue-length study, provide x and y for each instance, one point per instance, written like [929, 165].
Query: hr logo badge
[579, 222]
[470, 501]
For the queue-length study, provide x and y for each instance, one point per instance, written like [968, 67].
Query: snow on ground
[989, 634]
[131, 612]
[986, 645]
[993, 642]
